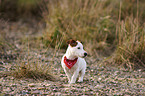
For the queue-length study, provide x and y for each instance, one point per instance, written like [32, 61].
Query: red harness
[70, 63]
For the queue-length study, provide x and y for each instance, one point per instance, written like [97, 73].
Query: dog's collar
[70, 63]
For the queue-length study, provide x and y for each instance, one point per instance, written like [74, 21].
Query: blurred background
[107, 28]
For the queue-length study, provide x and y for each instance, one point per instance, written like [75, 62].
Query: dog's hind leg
[82, 73]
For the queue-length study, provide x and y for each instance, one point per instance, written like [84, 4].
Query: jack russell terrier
[73, 61]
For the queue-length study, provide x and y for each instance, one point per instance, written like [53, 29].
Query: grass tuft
[25, 72]
[33, 68]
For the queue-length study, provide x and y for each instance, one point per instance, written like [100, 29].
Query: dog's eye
[79, 48]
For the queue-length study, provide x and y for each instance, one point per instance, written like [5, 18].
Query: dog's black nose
[85, 54]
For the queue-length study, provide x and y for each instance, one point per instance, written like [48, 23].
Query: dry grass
[130, 49]
[104, 26]
[34, 73]
[81, 20]
[33, 67]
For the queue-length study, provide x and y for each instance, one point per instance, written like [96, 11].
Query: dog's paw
[72, 83]
[80, 81]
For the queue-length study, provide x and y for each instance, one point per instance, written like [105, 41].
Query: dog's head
[76, 48]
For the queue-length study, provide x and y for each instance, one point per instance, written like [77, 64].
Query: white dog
[73, 61]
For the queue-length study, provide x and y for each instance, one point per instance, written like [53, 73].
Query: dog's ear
[80, 41]
[72, 42]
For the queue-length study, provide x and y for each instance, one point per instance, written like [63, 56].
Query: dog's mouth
[83, 55]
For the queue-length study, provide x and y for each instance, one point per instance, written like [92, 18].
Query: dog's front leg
[74, 77]
[68, 75]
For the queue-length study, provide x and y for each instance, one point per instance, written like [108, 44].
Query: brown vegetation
[103, 26]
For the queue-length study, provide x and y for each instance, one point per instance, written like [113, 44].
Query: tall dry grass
[105, 27]
[80, 20]
[130, 48]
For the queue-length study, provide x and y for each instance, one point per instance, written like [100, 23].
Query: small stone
[98, 86]
[47, 85]
[1, 63]
[12, 78]
[41, 88]
[66, 85]
[36, 92]
[45, 93]
[55, 90]
[58, 93]
[12, 93]
[67, 89]
[13, 85]
[33, 88]
[99, 79]
[62, 75]
[29, 89]
[31, 85]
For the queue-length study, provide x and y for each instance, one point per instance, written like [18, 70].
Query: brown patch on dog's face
[73, 43]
